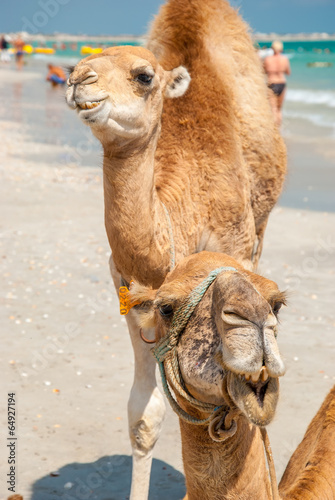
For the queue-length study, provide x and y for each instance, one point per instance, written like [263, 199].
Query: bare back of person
[59, 72]
[276, 67]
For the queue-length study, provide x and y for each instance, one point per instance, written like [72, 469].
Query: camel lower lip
[258, 401]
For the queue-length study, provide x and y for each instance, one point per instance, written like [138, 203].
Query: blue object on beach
[57, 79]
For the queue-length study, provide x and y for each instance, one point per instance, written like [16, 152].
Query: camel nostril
[233, 317]
[91, 77]
[83, 77]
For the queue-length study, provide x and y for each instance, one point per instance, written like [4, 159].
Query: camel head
[119, 92]
[229, 344]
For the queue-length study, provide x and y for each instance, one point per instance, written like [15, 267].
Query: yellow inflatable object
[44, 50]
[89, 50]
[28, 49]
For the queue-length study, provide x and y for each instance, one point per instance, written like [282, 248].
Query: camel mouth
[259, 390]
[88, 105]
[256, 399]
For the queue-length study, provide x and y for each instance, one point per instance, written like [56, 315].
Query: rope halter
[166, 356]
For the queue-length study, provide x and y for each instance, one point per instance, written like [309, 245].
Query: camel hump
[179, 32]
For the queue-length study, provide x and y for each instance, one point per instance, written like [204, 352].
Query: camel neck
[234, 468]
[140, 245]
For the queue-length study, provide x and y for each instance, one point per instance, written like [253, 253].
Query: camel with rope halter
[216, 346]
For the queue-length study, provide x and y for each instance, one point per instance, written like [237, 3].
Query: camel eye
[276, 308]
[166, 311]
[144, 78]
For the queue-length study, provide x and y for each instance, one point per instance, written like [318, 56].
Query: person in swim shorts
[276, 67]
[56, 75]
[18, 45]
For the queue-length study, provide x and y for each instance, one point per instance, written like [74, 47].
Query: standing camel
[217, 344]
[201, 174]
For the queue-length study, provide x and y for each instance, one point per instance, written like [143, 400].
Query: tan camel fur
[212, 158]
[229, 346]
[310, 473]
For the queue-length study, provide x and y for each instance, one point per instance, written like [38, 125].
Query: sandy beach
[65, 350]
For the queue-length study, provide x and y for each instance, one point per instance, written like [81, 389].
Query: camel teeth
[264, 374]
[255, 377]
[89, 105]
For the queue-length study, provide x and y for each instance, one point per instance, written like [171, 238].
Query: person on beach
[4, 46]
[276, 67]
[56, 75]
[18, 45]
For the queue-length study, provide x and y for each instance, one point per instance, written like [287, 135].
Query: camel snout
[248, 349]
[82, 75]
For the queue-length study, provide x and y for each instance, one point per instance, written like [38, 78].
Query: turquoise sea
[73, 48]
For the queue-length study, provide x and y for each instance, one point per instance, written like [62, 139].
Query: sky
[111, 17]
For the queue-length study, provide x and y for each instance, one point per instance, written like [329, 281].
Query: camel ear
[178, 80]
[144, 297]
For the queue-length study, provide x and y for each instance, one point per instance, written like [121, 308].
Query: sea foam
[306, 96]
[317, 119]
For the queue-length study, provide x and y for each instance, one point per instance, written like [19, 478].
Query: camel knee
[144, 433]
[145, 422]
[143, 436]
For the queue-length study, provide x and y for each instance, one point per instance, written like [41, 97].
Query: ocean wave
[325, 97]
[316, 119]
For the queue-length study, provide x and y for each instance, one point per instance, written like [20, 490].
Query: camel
[192, 160]
[228, 359]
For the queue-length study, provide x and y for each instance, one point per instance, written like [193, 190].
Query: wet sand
[65, 349]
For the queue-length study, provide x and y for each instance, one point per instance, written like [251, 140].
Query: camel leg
[146, 410]
[146, 406]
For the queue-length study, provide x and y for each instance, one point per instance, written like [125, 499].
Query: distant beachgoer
[18, 45]
[56, 75]
[4, 46]
[3, 43]
[276, 67]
